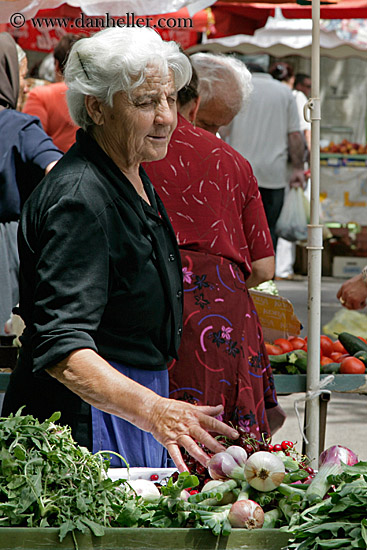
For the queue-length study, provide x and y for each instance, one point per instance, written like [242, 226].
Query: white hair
[224, 76]
[118, 59]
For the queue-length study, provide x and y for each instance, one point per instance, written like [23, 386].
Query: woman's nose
[165, 113]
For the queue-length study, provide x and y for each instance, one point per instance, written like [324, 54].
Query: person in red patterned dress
[213, 201]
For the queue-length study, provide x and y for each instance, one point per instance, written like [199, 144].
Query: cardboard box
[347, 266]
[276, 316]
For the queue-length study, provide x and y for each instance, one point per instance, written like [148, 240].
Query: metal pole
[314, 246]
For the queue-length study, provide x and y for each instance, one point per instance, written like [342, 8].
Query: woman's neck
[131, 171]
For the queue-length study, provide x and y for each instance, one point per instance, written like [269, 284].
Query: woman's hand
[178, 424]
[173, 423]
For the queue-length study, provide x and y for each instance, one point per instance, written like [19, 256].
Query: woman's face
[139, 129]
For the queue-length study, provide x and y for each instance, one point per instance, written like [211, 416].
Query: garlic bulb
[264, 471]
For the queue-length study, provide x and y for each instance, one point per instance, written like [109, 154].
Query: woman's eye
[171, 100]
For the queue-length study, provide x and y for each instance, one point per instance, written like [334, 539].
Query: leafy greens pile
[47, 480]
[340, 521]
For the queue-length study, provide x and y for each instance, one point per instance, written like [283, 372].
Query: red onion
[238, 453]
[223, 466]
[330, 463]
[246, 514]
[338, 454]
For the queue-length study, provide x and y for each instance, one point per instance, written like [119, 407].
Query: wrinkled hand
[178, 424]
[353, 293]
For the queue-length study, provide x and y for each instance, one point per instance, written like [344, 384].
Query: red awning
[245, 17]
[235, 18]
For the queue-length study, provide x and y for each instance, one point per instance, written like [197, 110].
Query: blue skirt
[111, 433]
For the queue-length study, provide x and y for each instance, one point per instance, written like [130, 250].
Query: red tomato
[352, 365]
[335, 356]
[338, 346]
[326, 345]
[297, 342]
[325, 360]
[363, 339]
[284, 344]
[273, 350]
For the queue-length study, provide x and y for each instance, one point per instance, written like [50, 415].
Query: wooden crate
[14, 538]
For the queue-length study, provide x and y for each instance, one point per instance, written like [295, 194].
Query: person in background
[302, 83]
[48, 102]
[215, 207]
[23, 70]
[101, 279]
[353, 293]
[224, 89]
[266, 134]
[286, 250]
[26, 154]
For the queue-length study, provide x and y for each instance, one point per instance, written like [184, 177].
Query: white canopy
[281, 37]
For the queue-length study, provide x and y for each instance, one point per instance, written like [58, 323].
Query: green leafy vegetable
[340, 520]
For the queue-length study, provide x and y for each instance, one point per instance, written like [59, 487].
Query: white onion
[246, 514]
[264, 471]
[145, 488]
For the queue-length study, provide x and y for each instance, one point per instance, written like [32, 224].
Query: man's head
[61, 52]
[302, 82]
[188, 99]
[224, 89]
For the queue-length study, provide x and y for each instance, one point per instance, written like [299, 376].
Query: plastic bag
[292, 222]
[346, 320]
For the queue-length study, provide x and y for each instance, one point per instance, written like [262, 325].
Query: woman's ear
[94, 109]
[190, 109]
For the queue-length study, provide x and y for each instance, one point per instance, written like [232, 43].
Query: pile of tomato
[330, 352]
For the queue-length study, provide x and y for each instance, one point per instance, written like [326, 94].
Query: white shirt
[260, 133]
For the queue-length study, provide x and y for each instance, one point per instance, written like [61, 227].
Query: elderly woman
[101, 288]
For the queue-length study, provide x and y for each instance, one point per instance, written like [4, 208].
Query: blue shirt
[25, 151]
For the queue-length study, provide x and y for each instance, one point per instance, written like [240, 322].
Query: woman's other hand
[353, 293]
[178, 424]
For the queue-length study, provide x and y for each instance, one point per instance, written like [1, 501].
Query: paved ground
[347, 413]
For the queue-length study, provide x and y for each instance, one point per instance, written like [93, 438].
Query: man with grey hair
[266, 135]
[224, 89]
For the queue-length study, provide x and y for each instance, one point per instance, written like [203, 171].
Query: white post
[314, 246]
